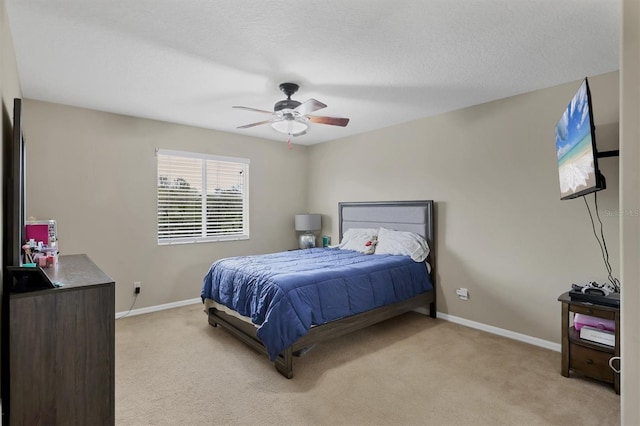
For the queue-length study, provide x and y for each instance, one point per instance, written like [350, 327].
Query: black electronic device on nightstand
[612, 299]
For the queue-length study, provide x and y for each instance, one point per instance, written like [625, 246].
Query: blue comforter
[286, 293]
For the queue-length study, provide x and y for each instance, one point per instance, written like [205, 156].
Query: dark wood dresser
[62, 344]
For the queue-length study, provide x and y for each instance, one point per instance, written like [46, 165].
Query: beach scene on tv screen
[575, 147]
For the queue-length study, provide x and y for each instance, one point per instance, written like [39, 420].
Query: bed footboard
[284, 362]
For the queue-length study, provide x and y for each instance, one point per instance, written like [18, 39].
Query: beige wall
[95, 173]
[502, 230]
[630, 202]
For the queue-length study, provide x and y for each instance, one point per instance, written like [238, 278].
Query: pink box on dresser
[37, 232]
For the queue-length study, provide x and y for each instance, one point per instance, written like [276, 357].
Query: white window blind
[202, 197]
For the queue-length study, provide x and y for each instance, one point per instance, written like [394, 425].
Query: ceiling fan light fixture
[290, 127]
[292, 117]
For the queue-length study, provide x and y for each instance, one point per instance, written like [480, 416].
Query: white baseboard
[502, 332]
[156, 308]
[457, 320]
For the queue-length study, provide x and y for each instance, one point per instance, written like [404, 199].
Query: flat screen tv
[576, 148]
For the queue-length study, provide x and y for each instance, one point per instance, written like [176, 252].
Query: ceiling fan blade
[309, 106]
[253, 109]
[246, 126]
[334, 121]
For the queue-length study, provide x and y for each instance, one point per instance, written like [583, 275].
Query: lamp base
[307, 240]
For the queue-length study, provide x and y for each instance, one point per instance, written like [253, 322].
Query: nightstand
[581, 356]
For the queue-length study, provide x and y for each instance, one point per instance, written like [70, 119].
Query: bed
[298, 298]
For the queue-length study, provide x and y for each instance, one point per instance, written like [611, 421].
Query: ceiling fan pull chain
[289, 143]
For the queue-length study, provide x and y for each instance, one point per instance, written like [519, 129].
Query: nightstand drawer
[595, 312]
[590, 362]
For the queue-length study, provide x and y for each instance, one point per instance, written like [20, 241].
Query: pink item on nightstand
[580, 320]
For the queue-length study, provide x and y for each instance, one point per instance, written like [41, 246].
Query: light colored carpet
[172, 368]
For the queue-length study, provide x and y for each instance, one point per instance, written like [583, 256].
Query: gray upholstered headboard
[414, 216]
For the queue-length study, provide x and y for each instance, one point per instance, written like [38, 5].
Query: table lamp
[307, 223]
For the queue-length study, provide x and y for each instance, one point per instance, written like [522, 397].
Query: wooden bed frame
[415, 216]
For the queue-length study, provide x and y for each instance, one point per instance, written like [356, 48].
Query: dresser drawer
[590, 362]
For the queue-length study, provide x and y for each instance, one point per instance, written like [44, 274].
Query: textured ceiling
[377, 62]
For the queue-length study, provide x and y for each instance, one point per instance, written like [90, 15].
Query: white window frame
[243, 233]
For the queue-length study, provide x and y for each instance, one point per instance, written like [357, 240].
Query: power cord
[132, 305]
[603, 245]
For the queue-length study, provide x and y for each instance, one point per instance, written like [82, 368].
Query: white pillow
[359, 239]
[402, 243]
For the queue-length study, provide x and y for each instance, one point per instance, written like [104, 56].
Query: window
[202, 197]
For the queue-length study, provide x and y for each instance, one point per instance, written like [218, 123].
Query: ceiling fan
[292, 117]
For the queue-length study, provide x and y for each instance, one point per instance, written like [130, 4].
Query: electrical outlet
[137, 285]
[463, 293]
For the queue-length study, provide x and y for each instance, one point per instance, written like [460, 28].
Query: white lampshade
[308, 222]
[290, 127]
